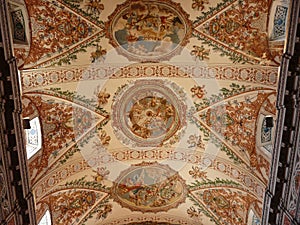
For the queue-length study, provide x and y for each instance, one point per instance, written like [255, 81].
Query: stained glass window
[33, 137]
[266, 136]
[266, 132]
[253, 219]
[279, 22]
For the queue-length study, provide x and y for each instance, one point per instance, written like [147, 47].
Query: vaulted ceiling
[151, 112]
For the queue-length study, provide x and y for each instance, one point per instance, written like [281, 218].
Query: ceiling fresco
[149, 30]
[151, 112]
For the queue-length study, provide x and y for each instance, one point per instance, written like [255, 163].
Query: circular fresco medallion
[149, 187]
[146, 113]
[148, 30]
[151, 117]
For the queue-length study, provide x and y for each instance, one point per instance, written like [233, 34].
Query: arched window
[46, 219]
[33, 137]
[253, 219]
[277, 19]
[265, 134]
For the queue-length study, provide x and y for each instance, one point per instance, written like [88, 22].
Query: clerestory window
[46, 219]
[33, 137]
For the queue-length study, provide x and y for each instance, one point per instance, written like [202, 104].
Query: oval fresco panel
[149, 187]
[148, 30]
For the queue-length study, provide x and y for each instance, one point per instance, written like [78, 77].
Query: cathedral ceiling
[151, 112]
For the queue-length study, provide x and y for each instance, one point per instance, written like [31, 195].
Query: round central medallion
[148, 30]
[152, 117]
[146, 113]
